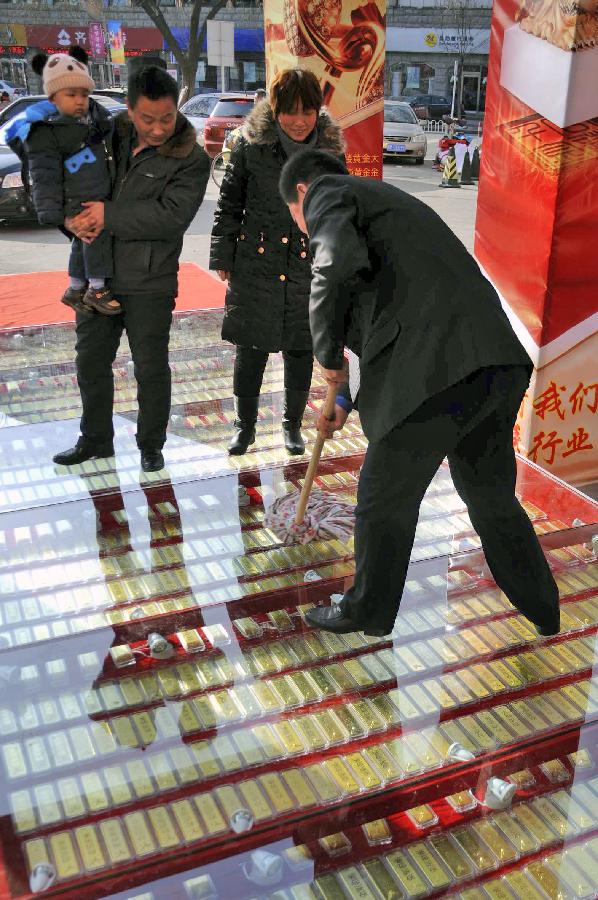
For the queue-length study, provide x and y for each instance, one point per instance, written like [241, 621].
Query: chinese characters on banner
[537, 219]
[343, 43]
[97, 45]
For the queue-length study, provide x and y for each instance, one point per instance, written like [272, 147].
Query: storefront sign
[13, 34]
[97, 41]
[12, 50]
[60, 36]
[437, 40]
[247, 40]
[537, 221]
[344, 45]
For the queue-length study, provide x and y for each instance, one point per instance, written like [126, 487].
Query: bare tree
[456, 16]
[187, 59]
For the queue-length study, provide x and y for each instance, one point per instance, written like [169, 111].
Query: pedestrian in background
[260, 252]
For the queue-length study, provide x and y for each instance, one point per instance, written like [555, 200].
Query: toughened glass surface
[170, 727]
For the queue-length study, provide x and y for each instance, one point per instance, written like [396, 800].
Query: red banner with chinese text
[538, 217]
[343, 42]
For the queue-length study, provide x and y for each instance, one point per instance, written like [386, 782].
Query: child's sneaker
[102, 301]
[73, 297]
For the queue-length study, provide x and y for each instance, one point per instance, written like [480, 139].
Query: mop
[315, 515]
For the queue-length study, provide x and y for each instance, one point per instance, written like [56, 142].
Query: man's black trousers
[471, 423]
[146, 320]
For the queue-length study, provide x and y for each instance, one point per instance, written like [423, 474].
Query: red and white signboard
[537, 219]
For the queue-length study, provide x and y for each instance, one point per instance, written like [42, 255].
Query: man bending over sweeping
[442, 374]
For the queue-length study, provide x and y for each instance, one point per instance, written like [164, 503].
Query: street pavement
[24, 248]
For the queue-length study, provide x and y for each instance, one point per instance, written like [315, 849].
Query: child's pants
[91, 260]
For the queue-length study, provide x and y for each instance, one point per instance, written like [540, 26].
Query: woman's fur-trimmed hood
[260, 128]
[179, 146]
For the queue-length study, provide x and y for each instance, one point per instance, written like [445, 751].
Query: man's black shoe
[152, 460]
[81, 452]
[331, 618]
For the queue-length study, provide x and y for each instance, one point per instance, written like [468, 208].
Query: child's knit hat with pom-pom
[62, 70]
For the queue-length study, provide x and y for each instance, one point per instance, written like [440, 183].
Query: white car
[403, 135]
[198, 110]
[10, 89]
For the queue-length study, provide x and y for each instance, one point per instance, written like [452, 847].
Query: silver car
[403, 135]
[198, 110]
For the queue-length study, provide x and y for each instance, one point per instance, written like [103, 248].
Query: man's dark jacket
[58, 189]
[155, 198]
[392, 282]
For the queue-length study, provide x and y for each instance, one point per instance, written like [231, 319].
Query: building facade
[424, 40]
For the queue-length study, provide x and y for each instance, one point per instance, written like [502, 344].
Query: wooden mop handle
[328, 411]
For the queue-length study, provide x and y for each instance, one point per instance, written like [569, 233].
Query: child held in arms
[64, 143]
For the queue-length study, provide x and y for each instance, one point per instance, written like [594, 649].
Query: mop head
[326, 517]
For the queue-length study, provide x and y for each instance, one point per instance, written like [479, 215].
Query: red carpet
[34, 298]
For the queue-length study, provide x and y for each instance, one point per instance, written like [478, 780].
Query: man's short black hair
[151, 82]
[304, 167]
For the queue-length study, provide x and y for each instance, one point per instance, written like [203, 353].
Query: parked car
[15, 204]
[18, 107]
[229, 112]
[10, 89]
[198, 109]
[115, 93]
[403, 135]
[435, 106]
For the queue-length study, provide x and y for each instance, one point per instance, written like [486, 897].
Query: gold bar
[478, 734]
[251, 753]
[310, 733]
[329, 888]
[513, 722]
[229, 800]
[268, 741]
[457, 864]
[522, 887]
[562, 826]
[102, 737]
[187, 821]
[118, 787]
[300, 787]
[145, 727]
[495, 890]
[37, 853]
[63, 851]
[487, 832]
[364, 771]
[268, 701]
[123, 732]
[368, 715]
[276, 792]
[95, 794]
[525, 816]
[325, 787]
[47, 805]
[410, 881]
[139, 779]
[284, 688]
[506, 674]
[307, 690]
[336, 768]
[139, 834]
[422, 816]
[386, 709]
[163, 827]
[429, 864]
[523, 841]
[161, 769]
[492, 725]
[288, 736]
[348, 721]
[212, 818]
[476, 848]
[115, 841]
[331, 727]
[355, 884]
[90, 850]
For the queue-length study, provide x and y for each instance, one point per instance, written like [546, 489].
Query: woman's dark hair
[151, 82]
[305, 167]
[291, 86]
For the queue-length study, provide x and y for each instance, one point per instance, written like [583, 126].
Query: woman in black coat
[260, 252]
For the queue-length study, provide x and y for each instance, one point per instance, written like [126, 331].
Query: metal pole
[455, 72]
[222, 77]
